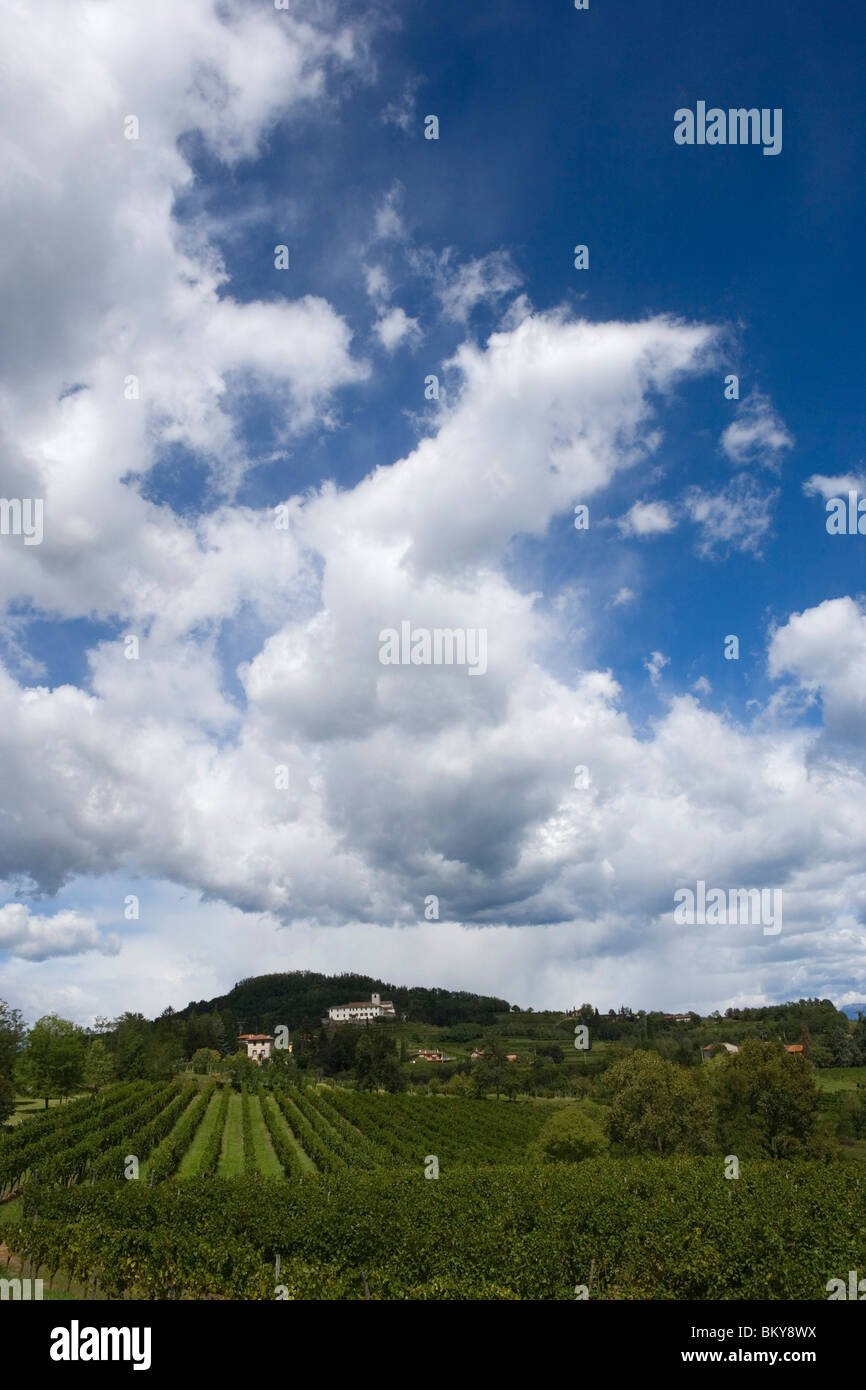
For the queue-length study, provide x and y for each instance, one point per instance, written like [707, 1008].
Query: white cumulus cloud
[66, 933]
[647, 519]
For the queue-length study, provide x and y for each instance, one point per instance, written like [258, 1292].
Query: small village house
[258, 1046]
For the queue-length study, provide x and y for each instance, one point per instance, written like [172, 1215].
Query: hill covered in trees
[301, 998]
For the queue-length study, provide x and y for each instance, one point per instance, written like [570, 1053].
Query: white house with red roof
[258, 1045]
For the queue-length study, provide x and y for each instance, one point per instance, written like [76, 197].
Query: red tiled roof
[255, 1037]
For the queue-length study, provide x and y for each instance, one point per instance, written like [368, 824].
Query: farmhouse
[362, 1012]
[707, 1051]
[258, 1046]
[431, 1055]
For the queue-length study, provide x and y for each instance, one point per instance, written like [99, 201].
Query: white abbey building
[363, 1012]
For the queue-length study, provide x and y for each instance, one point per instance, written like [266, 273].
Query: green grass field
[841, 1078]
[268, 1163]
[25, 1106]
[232, 1157]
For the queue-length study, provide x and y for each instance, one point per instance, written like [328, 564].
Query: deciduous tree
[11, 1038]
[98, 1065]
[768, 1100]
[659, 1107]
[52, 1061]
[571, 1134]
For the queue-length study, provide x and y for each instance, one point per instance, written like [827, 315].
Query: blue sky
[563, 134]
[305, 387]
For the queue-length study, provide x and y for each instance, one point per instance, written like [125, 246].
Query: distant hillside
[302, 997]
[852, 1010]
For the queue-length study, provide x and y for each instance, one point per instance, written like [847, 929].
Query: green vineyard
[315, 1194]
[178, 1129]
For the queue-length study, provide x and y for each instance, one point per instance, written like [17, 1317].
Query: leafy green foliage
[213, 1148]
[655, 1229]
[300, 998]
[569, 1136]
[98, 1069]
[658, 1107]
[768, 1101]
[204, 1060]
[11, 1038]
[250, 1164]
[166, 1159]
[281, 1138]
[90, 1136]
[376, 1061]
[241, 1070]
[52, 1060]
[458, 1131]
